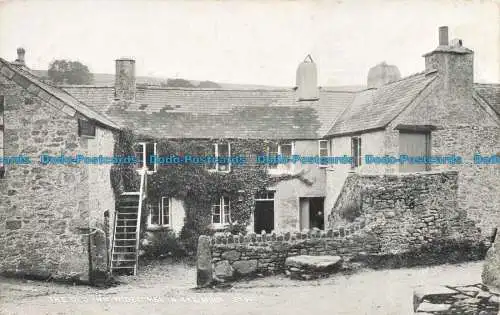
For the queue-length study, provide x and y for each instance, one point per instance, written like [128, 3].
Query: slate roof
[51, 94]
[490, 93]
[376, 108]
[219, 113]
[258, 113]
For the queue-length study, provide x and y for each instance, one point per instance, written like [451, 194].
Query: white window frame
[327, 148]
[144, 158]
[161, 213]
[282, 168]
[221, 213]
[216, 151]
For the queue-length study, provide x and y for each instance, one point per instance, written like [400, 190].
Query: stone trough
[306, 267]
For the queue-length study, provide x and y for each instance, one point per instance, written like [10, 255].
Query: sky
[249, 42]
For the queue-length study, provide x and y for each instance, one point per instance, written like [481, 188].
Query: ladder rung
[125, 246]
[124, 239]
[125, 232]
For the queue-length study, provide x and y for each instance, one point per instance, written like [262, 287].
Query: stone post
[491, 267]
[204, 262]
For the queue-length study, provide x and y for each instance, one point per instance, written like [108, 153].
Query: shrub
[163, 243]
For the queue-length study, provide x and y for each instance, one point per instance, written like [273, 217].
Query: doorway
[312, 213]
[264, 212]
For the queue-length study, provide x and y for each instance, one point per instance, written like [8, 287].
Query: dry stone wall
[409, 209]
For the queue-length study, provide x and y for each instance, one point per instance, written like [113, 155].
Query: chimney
[382, 74]
[125, 79]
[455, 67]
[307, 80]
[20, 56]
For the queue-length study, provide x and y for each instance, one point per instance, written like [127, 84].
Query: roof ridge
[425, 72]
[41, 85]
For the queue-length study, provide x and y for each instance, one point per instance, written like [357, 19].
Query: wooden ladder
[127, 223]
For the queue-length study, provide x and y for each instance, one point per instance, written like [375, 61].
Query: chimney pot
[20, 56]
[456, 42]
[443, 36]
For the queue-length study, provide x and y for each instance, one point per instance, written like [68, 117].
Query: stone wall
[409, 210]
[232, 256]
[45, 209]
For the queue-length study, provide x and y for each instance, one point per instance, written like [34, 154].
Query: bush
[163, 243]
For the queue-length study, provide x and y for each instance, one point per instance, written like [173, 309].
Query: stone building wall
[464, 126]
[44, 209]
[288, 193]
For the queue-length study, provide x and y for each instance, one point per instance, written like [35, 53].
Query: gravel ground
[167, 288]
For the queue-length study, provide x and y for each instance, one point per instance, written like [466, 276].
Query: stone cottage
[440, 111]
[48, 212]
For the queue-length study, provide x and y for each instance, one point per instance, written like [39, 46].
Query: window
[221, 211]
[2, 167]
[222, 154]
[284, 151]
[323, 151]
[143, 152]
[86, 128]
[356, 152]
[414, 145]
[265, 195]
[160, 214]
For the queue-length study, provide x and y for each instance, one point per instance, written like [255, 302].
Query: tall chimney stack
[455, 66]
[443, 36]
[125, 79]
[20, 56]
[307, 80]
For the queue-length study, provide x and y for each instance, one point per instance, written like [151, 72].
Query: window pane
[356, 151]
[216, 218]
[212, 154]
[155, 215]
[224, 156]
[323, 144]
[166, 211]
[272, 153]
[216, 215]
[138, 154]
[286, 149]
[226, 209]
[150, 150]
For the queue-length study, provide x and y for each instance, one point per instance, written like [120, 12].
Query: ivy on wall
[195, 185]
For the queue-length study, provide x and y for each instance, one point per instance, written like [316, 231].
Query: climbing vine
[195, 185]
